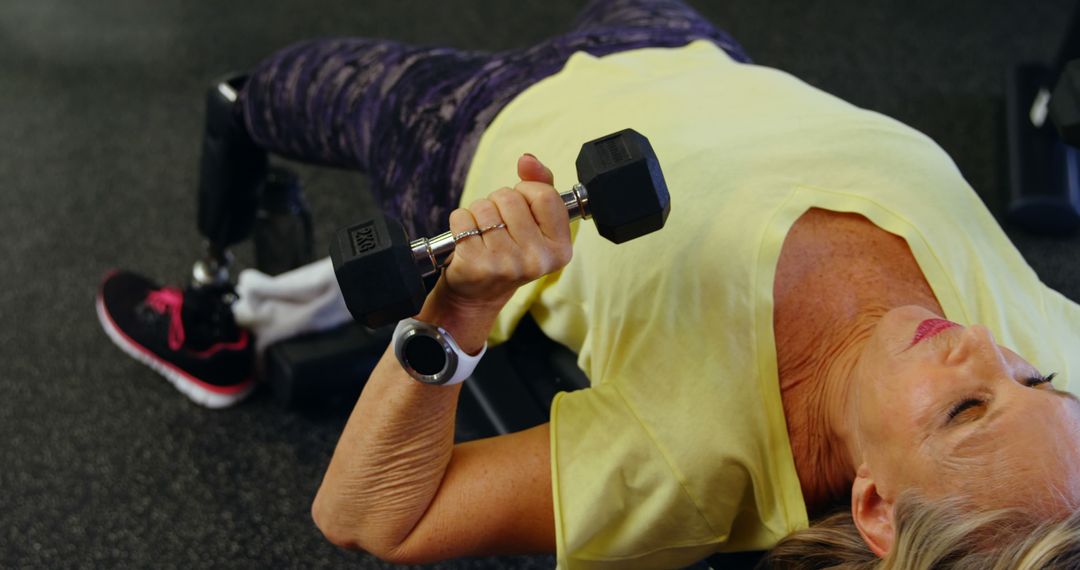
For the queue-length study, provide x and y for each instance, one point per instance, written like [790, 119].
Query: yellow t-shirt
[680, 447]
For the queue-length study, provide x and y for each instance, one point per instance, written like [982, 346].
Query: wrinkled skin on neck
[873, 414]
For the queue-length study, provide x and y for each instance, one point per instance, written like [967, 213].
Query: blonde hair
[945, 534]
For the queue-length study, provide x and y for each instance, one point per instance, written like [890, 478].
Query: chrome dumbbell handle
[431, 254]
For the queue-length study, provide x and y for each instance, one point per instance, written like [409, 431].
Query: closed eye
[963, 405]
[972, 402]
[1037, 380]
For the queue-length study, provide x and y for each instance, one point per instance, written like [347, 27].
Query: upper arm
[495, 498]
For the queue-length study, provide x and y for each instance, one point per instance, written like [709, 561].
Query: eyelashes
[971, 402]
[965, 404]
[1032, 382]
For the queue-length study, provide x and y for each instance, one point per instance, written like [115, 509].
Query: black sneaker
[188, 336]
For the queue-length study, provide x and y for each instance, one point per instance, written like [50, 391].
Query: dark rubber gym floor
[102, 463]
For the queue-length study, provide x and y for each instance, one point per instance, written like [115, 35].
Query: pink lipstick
[931, 327]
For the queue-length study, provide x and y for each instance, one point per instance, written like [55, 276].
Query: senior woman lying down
[830, 316]
[829, 312]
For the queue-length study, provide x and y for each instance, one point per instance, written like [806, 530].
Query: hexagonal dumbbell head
[628, 197]
[1065, 104]
[375, 269]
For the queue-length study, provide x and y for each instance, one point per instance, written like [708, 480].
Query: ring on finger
[467, 234]
[499, 226]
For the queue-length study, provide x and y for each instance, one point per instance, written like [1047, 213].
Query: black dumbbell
[381, 273]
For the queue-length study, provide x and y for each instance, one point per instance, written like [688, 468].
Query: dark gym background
[102, 463]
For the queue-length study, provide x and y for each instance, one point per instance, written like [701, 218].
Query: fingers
[548, 210]
[461, 220]
[527, 210]
[462, 224]
[483, 228]
[509, 238]
[531, 169]
[493, 227]
[514, 210]
[547, 207]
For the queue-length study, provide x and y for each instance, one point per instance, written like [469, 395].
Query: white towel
[306, 299]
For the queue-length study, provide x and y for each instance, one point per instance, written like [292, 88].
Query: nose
[976, 346]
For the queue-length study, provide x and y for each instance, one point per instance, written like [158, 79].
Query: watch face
[429, 354]
[425, 354]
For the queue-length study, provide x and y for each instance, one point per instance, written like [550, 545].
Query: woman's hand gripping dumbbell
[621, 188]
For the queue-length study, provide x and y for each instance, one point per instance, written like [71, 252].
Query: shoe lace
[170, 300]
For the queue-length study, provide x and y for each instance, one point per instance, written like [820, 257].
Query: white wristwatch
[429, 354]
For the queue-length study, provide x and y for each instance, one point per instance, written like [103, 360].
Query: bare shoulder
[494, 499]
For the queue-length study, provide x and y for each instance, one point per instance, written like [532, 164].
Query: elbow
[339, 532]
[331, 528]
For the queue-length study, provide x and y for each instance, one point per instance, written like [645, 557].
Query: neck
[829, 390]
[828, 300]
[824, 426]
[819, 388]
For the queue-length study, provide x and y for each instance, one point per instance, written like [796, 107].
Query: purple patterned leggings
[411, 117]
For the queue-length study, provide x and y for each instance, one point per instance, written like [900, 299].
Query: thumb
[530, 169]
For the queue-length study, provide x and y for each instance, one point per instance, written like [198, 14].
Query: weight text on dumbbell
[363, 238]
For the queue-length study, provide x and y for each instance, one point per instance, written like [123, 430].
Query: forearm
[390, 460]
[389, 471]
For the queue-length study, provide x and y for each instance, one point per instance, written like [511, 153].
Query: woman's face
[944, 409]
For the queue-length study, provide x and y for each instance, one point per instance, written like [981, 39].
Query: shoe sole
[202, 393]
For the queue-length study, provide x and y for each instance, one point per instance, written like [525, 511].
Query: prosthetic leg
[232, 172]
[190, 335]
[241, 195]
